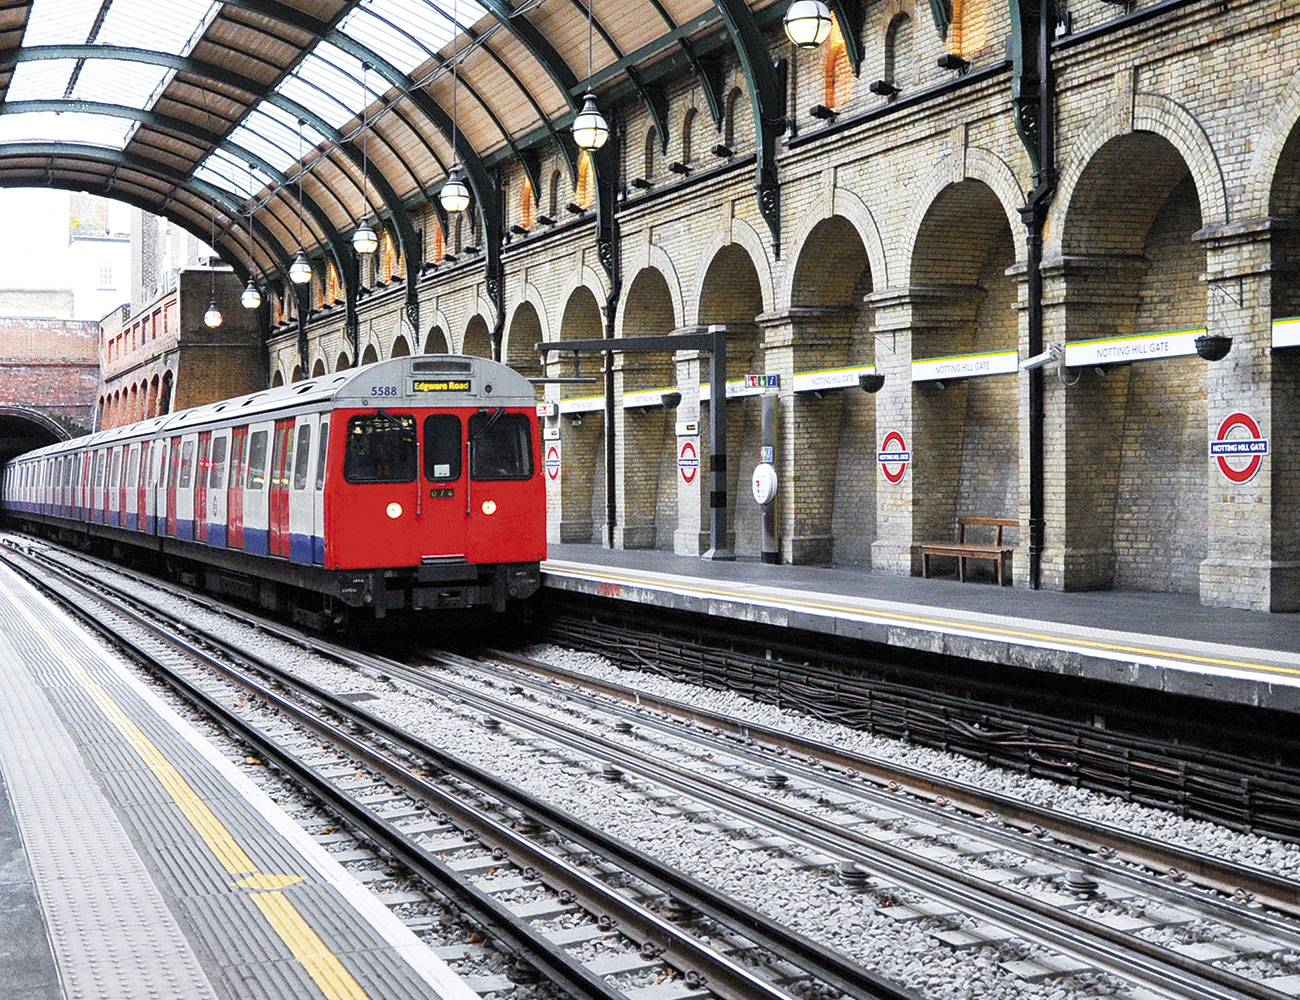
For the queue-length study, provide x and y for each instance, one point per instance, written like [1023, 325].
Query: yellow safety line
[324, 967]
[946, 623]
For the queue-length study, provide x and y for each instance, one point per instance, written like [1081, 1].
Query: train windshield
[381, 449]
[502, 446]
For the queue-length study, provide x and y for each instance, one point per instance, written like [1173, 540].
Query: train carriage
[414, 483]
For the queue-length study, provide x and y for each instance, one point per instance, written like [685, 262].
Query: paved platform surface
[137, 862]
[1166, 642]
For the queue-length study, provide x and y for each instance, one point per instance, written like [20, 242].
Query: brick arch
[656, 259]
[1280, 127]
[1163, 117]
[588, 277]
[56, 430]
[531, 297]
[852, 209]
[744, 235]
[526, 327]
[318, 369]
[981, 165]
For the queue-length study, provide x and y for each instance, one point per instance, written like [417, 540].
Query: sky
[33, 237]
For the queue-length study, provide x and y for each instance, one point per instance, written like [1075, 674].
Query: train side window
[133, 469]
[159, 466]
[501, 446]
[322, 452]
[238, 454]
[187, 464]
[217, 478]
[302, 458]
[116, 480]
[381, 449]
[99, 470]
[442, 447]
[257, 461]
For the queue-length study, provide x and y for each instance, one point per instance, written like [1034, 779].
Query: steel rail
[679, 948]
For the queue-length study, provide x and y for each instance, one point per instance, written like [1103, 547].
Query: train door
[99, 496]
[201, 487]
[214, 532]
[185, 490]
[301, 500]
[446, 482]
[173, 477]
[158, 489]
[318, 494]
[235, 488]
[117, 502]
[142, 489]
[506, 490]
[255, 491]
[131, 486]
[278, 502]
[83, 486]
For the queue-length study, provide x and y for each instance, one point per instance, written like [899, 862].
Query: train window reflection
[442, 447]
[502, 446]
[257, 461]
[381, 449]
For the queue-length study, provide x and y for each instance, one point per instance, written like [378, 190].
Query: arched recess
[964, 302]
[576, 500]
[401, 348]
[524, 331]
[165, 393]
[23, 429]
[436, 341]
[1132, 513]
[478, 338]
[731, 294]
[832, 434]
[298, 374]
[133, 405]
[736, 235]
[155, 392]
[318, 369]
[646, 470]
[370, 355]
[343, 363]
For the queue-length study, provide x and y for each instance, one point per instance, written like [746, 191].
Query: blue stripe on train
[257, 541]
[217, 535]
[318, 550]
[302, 548]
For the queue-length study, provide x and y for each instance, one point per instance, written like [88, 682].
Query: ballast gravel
[807, 899]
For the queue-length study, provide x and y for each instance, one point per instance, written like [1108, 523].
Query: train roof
[490, 384]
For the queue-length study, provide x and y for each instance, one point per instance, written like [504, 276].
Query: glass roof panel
[132, 84]
[328, 81]
[43, 79]
[60, 22]
[73, 127]
[139, 23]
[223, 170]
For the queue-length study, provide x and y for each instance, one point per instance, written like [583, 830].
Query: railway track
[658, 935]
[988, 871]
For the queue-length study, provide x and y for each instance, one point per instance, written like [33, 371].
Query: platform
[1165, 642]
[137, 861]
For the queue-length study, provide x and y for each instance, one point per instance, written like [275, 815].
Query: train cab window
[322, 451]
[133, 470]
[302, 458]
[501, 446]
[381, 449]
[257, 461]
[217, 477]
[443, 445]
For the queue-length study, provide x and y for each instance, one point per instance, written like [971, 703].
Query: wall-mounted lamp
[671, 400]
[822, 113]
[574, 208]
[470, 249]
[519, 230]
[1100, 371]
[938, 384]
[640, 183]
[678, 167]
[723, 152]
[545, 220]
[950, 60]
[1213, 346]
[871, 381]
[883, 87]
[575, 419]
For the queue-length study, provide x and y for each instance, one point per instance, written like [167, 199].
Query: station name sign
[1121, 350]
[965, 366]
[442, 385]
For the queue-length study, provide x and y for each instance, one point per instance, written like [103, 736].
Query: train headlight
[489, 507]
[394, 510]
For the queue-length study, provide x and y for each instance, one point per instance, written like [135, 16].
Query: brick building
[163, 357]
[49, 372]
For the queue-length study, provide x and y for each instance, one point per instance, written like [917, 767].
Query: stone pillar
[806, 338]
[891, 552]
[692, 535]
[1253, 545]
[640, 433]
[569, 496]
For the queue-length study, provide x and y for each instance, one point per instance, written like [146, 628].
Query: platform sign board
[965, 366]
[550, 434]
[552, 461]
[688, 428]
[688, 462]
[1121, 350]
[1286, 332]
[1239, 448]
[831, 378]
[894, 457]
[762, 381]
[736, 389]
[547, 409]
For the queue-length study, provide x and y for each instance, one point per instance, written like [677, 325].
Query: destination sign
[442, 385]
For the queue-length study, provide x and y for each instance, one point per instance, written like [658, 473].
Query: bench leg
[961, 569]
[925, 565]
[999, 562]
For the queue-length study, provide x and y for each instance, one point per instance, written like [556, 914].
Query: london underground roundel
[894, 458]
[1239, 448]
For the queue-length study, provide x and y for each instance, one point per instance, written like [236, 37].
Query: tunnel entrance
[23, 430]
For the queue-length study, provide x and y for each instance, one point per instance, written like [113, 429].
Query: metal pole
[718, 446]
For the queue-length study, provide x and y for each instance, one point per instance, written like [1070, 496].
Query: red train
[414, 483]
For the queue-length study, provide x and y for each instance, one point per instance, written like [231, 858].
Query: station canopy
[204, 111]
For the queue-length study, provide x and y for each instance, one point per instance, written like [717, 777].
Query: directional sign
[1241, 454]
[688, 462]
[553, 462]
[894, 457]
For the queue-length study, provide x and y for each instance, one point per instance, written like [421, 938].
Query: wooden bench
[962, 550]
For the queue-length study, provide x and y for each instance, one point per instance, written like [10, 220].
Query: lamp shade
[454, 196]
[364, 240]
[807, 23]
[251, 298]
[590, 130]
[300, 270]
[212, 318]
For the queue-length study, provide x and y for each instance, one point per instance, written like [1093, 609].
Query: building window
[527, 206]
[898, 52]
[688, 127]
[839, 73]
[651, 140]
[106, 274]
[586, 193]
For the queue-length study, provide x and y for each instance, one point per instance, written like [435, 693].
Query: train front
[435, 498]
